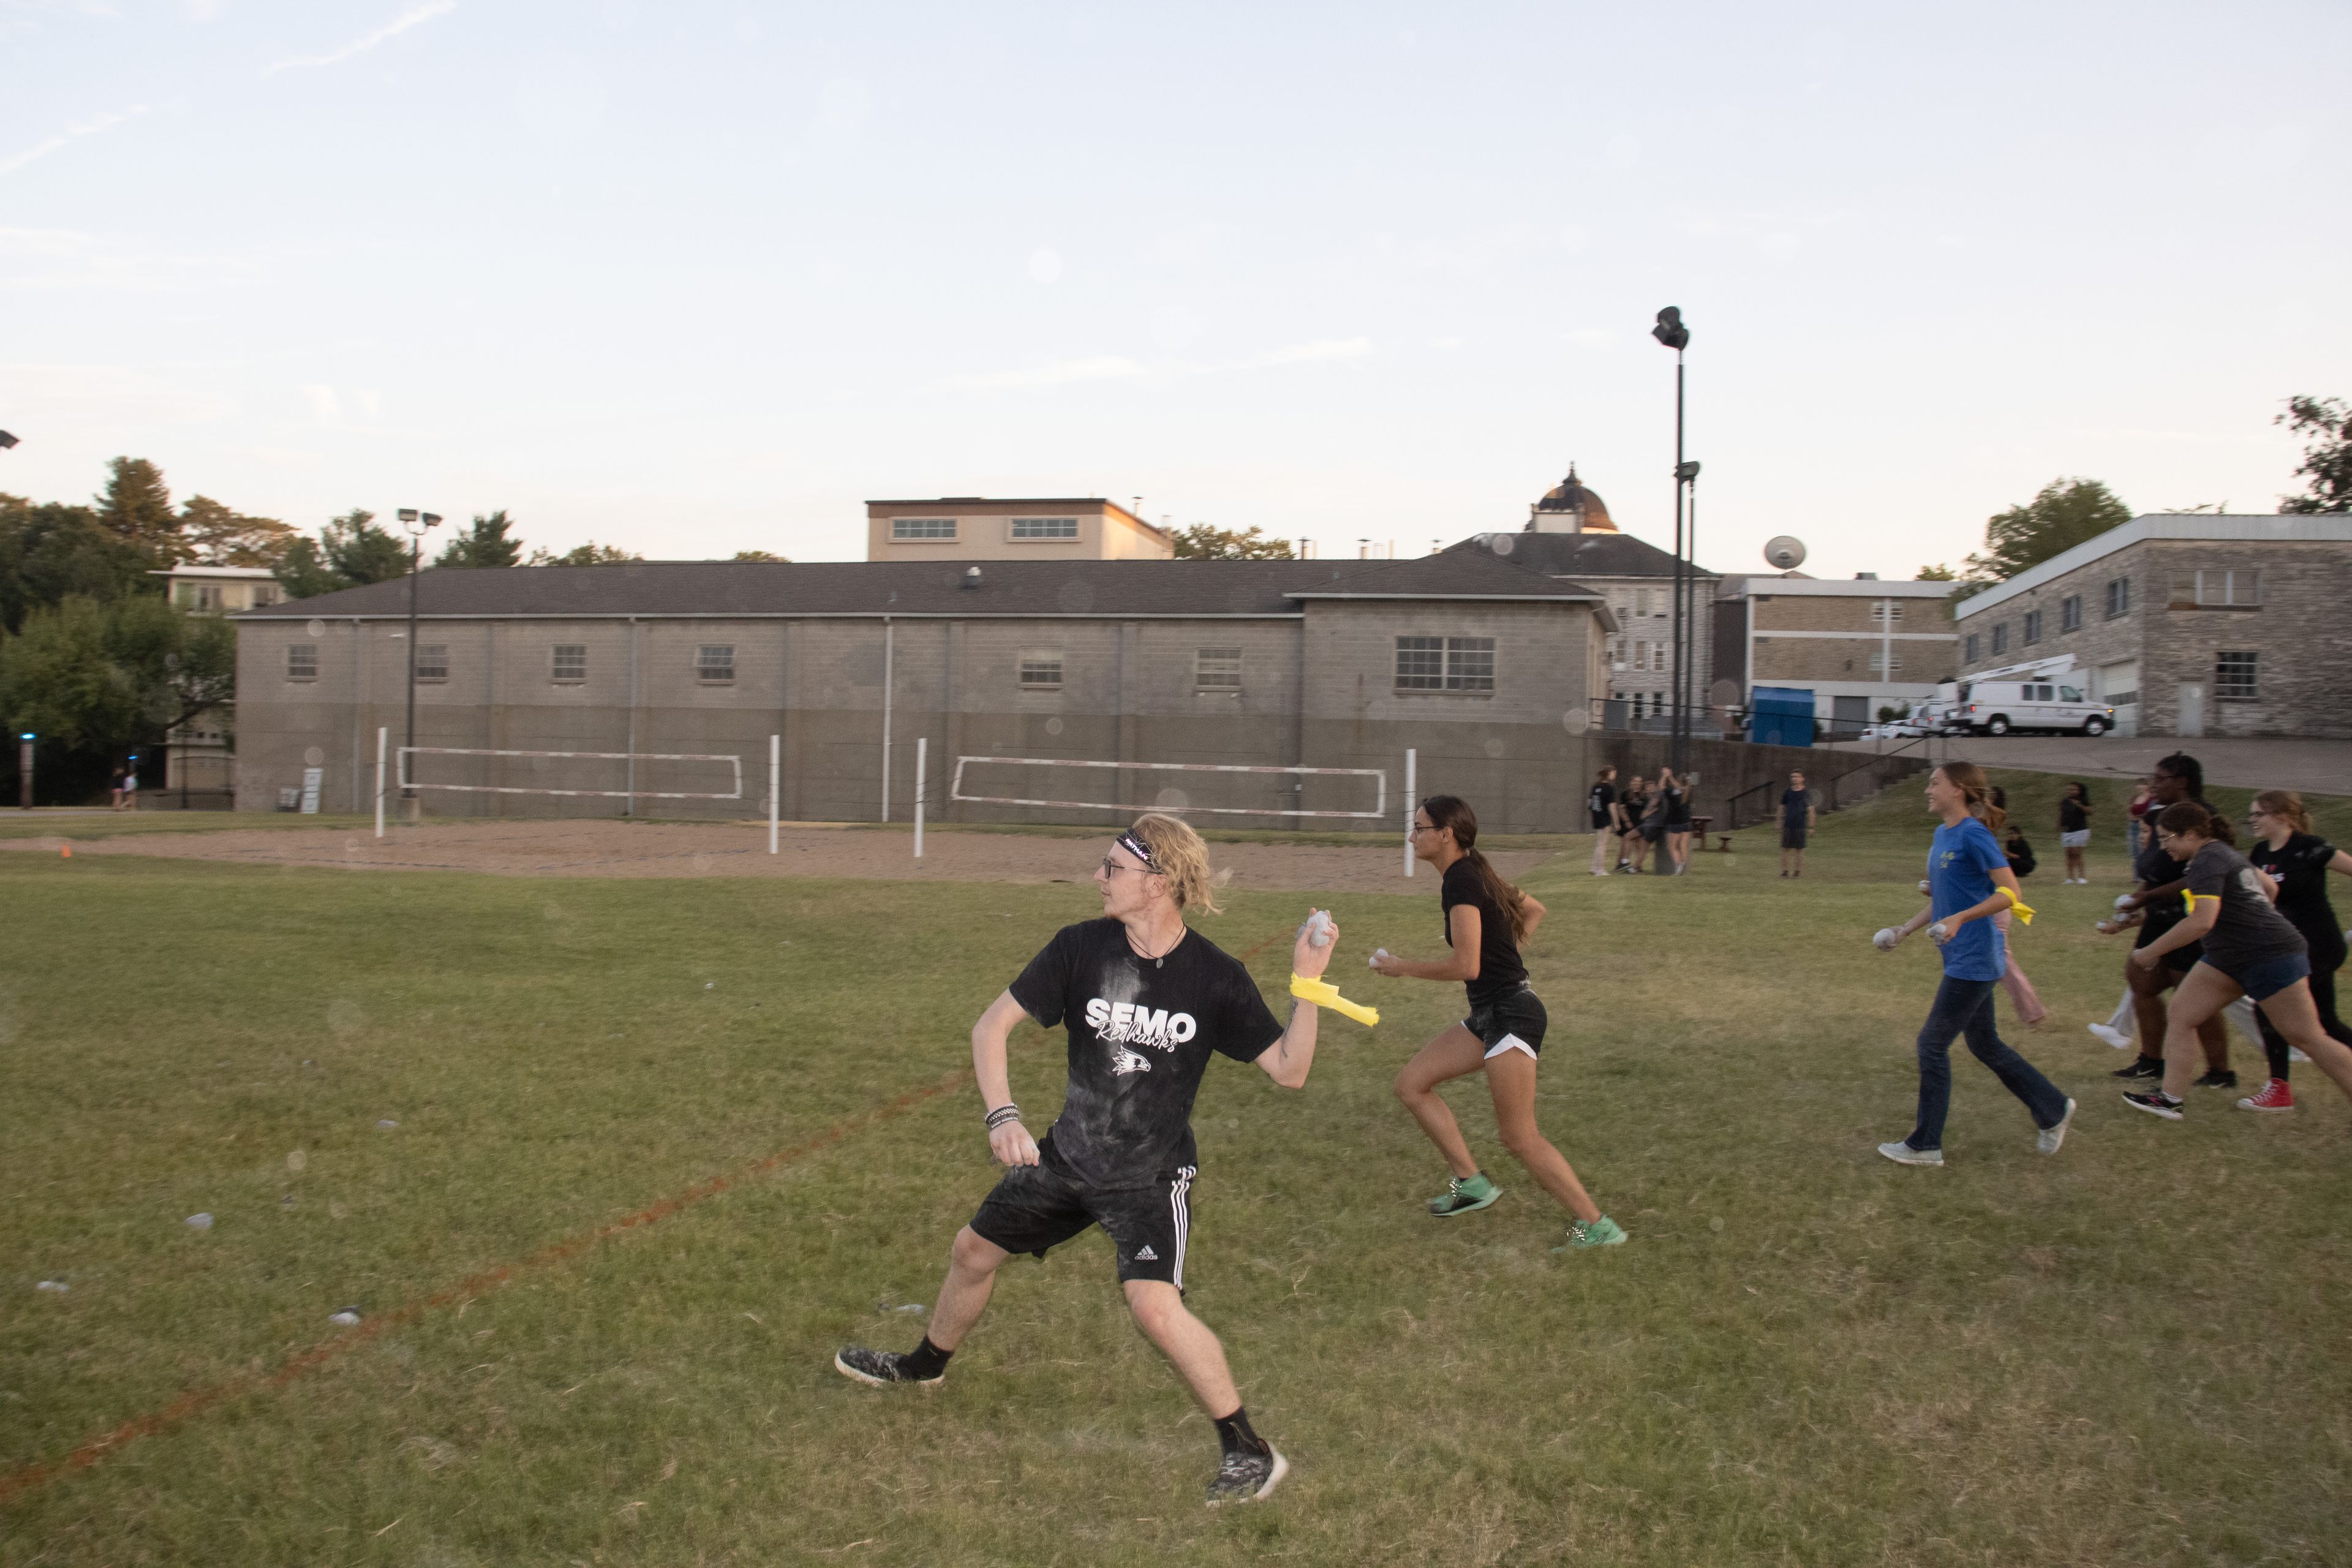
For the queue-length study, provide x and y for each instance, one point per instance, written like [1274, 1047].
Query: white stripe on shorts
[1179, 1192]
[1511, 1043]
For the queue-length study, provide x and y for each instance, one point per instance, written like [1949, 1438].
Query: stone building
[1570, 536]
[973, 528]
[1484, 667]
[2188, 624]
[1857, 646]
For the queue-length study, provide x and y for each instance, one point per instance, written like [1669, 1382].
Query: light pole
[418, 524]
[25, 770]
[1671, 331]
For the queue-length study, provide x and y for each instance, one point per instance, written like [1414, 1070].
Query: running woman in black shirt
[2246, 948]
[1486, 919]
[2298, 861]
[1147, 1000]
[2178, 777]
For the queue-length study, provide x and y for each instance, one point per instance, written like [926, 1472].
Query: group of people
[1147, 1001]
[2212, 922]
[1642, 826]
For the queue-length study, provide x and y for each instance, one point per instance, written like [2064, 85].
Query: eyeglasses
[1421, 827]
[1111, 868]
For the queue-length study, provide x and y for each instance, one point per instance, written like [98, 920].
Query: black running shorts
[1512, 1023]
[1037, 1207]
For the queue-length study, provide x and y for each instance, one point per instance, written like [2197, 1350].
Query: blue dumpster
[1782, 716]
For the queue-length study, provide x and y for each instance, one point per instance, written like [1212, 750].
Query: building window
[2001, 637]
[302, 661]
[1886, 612]
[1217, 669]
[1041, 669]
[198, 595]
[1446, 664]
[2235, 676]
[2229, 588]
[432, 661]
[2119, 598]
[1044, 528]
[2032, 626]
[2070, 612]
[904, 527]
[570, 666]
[1881, 664]
[1971, 656]
[714, 663]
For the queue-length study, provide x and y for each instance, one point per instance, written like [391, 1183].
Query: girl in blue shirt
[1969, 882]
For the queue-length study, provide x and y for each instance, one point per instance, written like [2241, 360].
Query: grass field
[2137, 1351]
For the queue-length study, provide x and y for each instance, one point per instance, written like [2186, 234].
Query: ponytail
[1450, 810]
[1970, 780]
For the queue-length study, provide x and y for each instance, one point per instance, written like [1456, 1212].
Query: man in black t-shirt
[1797, 815]
[1147, 1001]
[1601, 810]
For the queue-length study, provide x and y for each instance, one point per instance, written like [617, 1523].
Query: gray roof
[858, 588]
[1578, 555]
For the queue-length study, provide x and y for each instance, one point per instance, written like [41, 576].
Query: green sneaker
[1601, 1232]
[1464, 1194]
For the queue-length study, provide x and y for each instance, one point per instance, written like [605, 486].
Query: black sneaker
[1246, 1475]
[2142, 1067]
[880, 1368]
[2219, 1077]
[2156, 1103]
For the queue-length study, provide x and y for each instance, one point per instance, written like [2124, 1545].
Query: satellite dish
[1785, 551]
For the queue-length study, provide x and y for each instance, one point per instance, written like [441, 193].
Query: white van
[2002, 707]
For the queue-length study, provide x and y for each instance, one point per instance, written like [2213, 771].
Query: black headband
[1139, 849]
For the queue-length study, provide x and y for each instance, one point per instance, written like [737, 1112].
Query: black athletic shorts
[1793, 837]
[1037, 1207]
[2180, 960]
[1515, 1021]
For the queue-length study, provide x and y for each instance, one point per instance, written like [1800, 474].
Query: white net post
[922, 757]
[380, 739]
[775, 783]
[1409, 758]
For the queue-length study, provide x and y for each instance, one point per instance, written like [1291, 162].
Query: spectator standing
[1797, 817]
[2075, 830]
[128, 800]
[114, 790]
[1601, 805]
[1678, 821]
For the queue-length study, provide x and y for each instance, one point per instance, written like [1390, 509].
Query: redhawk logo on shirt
[1124, 1023]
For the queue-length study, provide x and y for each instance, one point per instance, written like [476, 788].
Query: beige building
[1857, 646]
[221, 590]
[197, 759]
[972, 528]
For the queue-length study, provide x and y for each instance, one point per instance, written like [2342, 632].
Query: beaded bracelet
[1003, 1113]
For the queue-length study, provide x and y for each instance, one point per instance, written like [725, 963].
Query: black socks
[926, 1361]
[1233, 1434]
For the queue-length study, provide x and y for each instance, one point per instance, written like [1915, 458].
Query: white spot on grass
[54, 1287]
[387, 1125]
[297, 1161]
[199, 1222]
[348, 1317]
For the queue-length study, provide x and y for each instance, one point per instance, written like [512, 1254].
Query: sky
[695, 278]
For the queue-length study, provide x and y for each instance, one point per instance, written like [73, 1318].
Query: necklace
[1159, 959]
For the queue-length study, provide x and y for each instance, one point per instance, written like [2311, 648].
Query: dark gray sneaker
[1247, 1475]
[881, 1368]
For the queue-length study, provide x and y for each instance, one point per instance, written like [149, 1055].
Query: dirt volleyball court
[590, 848]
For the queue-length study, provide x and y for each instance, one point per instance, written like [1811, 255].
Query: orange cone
[64, 851]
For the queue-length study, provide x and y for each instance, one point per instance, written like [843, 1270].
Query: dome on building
[1569, 508]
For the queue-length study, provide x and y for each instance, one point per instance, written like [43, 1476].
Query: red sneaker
[2275, 1096]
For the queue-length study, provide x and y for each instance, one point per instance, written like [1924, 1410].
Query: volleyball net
[1180, 789]
[602, 775]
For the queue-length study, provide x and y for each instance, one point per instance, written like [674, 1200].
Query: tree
[484, 544]
[104, 677]
[763, 555]
[589, 554]
[219, 536]
[136, 508]
[2327, 460]
[351, 551]
[1203, 542]
[2066, 513]
[50, 551]
[1937, 574]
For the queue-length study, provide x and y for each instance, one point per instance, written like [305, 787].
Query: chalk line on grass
[31, 1478]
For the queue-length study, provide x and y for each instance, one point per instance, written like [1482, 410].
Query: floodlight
[1670, 330]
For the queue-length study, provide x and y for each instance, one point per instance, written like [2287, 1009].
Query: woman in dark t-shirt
[2246, 949]
[1486, 919]
[2298, 860]
[2075, 829]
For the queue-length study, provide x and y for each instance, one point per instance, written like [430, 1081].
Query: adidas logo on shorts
[1147, 1256]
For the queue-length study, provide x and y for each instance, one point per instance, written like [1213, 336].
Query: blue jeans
[1965, 1007]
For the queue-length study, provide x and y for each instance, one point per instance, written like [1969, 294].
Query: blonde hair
[1178, 853]
[1970, 780]
[2285, 804]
